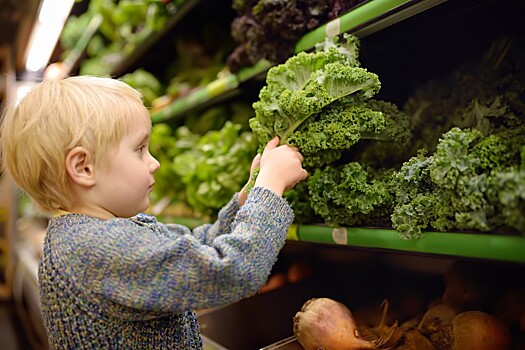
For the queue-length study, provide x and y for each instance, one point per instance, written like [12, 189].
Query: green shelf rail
[505, 248]
[217, 89]
[485, 246]
[74, 56]
[369, 17]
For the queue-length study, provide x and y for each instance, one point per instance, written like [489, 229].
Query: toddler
[110, 276]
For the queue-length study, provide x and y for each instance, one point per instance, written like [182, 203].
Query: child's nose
[154, 164]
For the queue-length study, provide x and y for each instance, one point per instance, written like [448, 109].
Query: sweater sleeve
[130, 266]
[206, 233]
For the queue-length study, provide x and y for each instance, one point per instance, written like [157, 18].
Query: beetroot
[327, 324]
[479, 330]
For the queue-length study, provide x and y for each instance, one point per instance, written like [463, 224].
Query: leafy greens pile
[458, 164]
[469, 173]
[201, 172]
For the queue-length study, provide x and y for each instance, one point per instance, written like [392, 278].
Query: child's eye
[141, 148]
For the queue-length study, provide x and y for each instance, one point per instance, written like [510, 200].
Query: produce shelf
[72, 59]
[368, 17]
[218, 88]
[498, 247]
[221, 88]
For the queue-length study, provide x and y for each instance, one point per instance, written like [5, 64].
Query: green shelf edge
[204, 94]
[201, 95]
[349, 20]
[469, 245]
[452, 244]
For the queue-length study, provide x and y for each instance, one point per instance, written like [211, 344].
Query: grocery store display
[124, 26]
[466, 316]
[464, 174]
[321, 102]
[426, 144]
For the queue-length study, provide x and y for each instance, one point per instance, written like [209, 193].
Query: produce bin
[359, 280]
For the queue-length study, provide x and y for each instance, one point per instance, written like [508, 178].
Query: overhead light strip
[46, 32]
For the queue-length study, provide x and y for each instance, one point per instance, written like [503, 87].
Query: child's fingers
[299, 154]
[256, 162]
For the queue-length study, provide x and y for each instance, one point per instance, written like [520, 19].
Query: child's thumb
[273, 143]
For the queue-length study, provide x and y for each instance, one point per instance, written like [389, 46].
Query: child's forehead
[140, 120]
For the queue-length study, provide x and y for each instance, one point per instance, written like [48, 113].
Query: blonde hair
[52, 119]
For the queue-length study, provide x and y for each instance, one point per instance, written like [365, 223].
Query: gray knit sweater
[134, 283]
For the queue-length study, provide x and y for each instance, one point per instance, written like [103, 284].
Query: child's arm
[280, 168]
[137, 272]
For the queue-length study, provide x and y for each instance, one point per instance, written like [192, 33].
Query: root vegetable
[323, 323]
[413, 339]
[382, 335]
[436, 325]
[480, 331]
[437, 317]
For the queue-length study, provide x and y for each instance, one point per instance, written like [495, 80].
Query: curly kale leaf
[351, 194]
[304, 85]
[506, 189]
[324, 137]
[454, 188]
[415, 197]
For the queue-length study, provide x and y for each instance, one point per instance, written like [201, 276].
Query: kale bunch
[308, 82]
[322, 103]
[471, 182]
[469, 129]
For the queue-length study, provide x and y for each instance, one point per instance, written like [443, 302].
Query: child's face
[125, 176]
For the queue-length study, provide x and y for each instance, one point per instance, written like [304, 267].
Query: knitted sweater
[133, 283]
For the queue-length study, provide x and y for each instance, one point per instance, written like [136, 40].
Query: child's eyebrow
[143, 136]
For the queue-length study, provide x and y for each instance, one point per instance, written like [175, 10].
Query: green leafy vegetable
[305, 84]
[321, 102]
[464, 185]
[202, 171]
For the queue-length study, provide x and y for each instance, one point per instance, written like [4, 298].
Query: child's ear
[79, 165]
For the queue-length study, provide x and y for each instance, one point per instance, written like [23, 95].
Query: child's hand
[280, 167]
